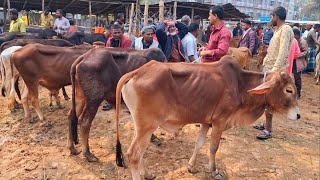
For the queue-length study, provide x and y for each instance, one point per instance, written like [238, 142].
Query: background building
[257, 8]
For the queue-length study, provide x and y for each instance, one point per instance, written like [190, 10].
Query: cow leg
[136, 151]
[33, 94]
[50, 109]
[25, 103]
[65, 95]
[79, 111]
[214, 145]
[56, 96]
[199, 144]
[89, 113]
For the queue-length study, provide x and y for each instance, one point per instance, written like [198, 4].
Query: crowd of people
[287, 47]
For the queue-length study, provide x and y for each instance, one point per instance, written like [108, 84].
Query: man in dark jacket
[248, 38]
[170, 39]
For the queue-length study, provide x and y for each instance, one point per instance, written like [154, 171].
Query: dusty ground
[33, 151]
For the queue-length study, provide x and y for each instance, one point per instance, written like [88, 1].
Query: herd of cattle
[220, 95]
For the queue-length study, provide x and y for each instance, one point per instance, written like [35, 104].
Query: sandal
[264, 134]
[259, 126]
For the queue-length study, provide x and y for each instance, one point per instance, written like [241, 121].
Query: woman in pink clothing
[294, 54]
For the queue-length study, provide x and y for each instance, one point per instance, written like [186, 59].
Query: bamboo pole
[42, 6]
[127, 14]
[90, 16]
[137, 29]
[192, 14]
[161, 10]
[175, 11]
[131, 17]
[146, 12]
[8, 4]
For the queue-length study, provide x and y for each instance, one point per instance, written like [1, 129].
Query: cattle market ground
[35, 151]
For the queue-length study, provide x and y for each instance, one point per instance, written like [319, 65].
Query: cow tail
[74, 118]
[123, 80]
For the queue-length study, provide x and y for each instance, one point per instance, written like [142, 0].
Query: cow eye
[289, 91]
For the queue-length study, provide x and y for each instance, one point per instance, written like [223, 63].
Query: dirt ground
[33, 151]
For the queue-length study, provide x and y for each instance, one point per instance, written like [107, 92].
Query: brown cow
[242, 55]
[235, 41]
[94, 77]
[262, 53]
[168, 95]
[48, 66]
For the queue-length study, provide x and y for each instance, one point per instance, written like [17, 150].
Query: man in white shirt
[306, 32]
[189, 43]
[61, 24]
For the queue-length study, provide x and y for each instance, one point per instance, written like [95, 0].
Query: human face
[13, 17]
[297, 37]
[148, 37]
[274, 20]
[245, 26]
[116, 34]
[46, 13]
[197, 21]
[212, 18]
[58, 14]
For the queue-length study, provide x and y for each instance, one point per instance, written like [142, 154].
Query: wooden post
[137, 29]
[127, 14]
[8, 4]
[131, 18]
[175, 11]
[42, 6]
[161, 10]
[146, 12]
[90, 16]
[192, 14]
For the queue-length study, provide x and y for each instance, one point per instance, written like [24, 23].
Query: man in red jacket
[118, 39]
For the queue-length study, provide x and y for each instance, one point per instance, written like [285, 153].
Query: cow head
[280, 93]
[156, 54]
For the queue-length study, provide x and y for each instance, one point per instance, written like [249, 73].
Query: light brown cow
[235, 41]
[242, 55]
[44, 65]
[317, 70]
[262, 53]
[221, 94]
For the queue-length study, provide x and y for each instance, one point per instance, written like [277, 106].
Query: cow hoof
[149, 176]
[50, 109]
[90, 157]
[216, 175]
[155, 140]
[66, 98]
[74, 151]
[61, 107]
[192, 169]
[32, 120]
[47, 124]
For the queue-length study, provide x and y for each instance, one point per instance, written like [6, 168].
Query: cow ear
[263, 88]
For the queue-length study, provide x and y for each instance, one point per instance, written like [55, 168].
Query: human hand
[205, 53]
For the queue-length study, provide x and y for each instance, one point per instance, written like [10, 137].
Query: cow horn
[283, 74]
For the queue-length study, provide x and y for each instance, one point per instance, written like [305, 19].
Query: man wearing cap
[146, 41]
[248, 37]
[170, 39]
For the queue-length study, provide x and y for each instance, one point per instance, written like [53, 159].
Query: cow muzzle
[294, 113]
